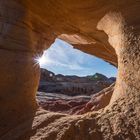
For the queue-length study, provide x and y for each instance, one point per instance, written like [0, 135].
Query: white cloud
[62, 58]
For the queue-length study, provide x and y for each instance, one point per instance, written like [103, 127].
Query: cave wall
[75, 22]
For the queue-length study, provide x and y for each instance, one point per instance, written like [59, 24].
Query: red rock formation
[76, 104]
[98, 101]
[63, 106]
[73, 85]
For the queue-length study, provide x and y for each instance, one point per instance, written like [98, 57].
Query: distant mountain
[50, 76]
[46, 75]
[73, 85]
[97, 77]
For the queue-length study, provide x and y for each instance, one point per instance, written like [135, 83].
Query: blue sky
[62, 58]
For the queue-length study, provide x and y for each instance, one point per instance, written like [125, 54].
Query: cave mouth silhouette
[66, 81]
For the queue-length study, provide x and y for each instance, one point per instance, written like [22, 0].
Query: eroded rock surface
[73, 85]
[66, 99]
[98, 101]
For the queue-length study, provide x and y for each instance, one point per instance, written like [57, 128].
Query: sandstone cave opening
[72, 81]
[107, 29]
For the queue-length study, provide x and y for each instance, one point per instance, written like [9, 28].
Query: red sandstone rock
[98, 101]
[73, 85]
[62, 105]
[78, 105]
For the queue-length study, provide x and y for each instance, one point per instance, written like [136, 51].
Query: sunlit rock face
[107, 29]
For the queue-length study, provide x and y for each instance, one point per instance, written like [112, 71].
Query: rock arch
[26, 28]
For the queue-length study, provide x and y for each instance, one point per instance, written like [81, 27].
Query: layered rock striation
[73, 85]
[79, 104]
[73, 94]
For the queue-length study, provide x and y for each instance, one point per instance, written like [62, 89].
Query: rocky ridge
[73, 85]
[73, 94]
